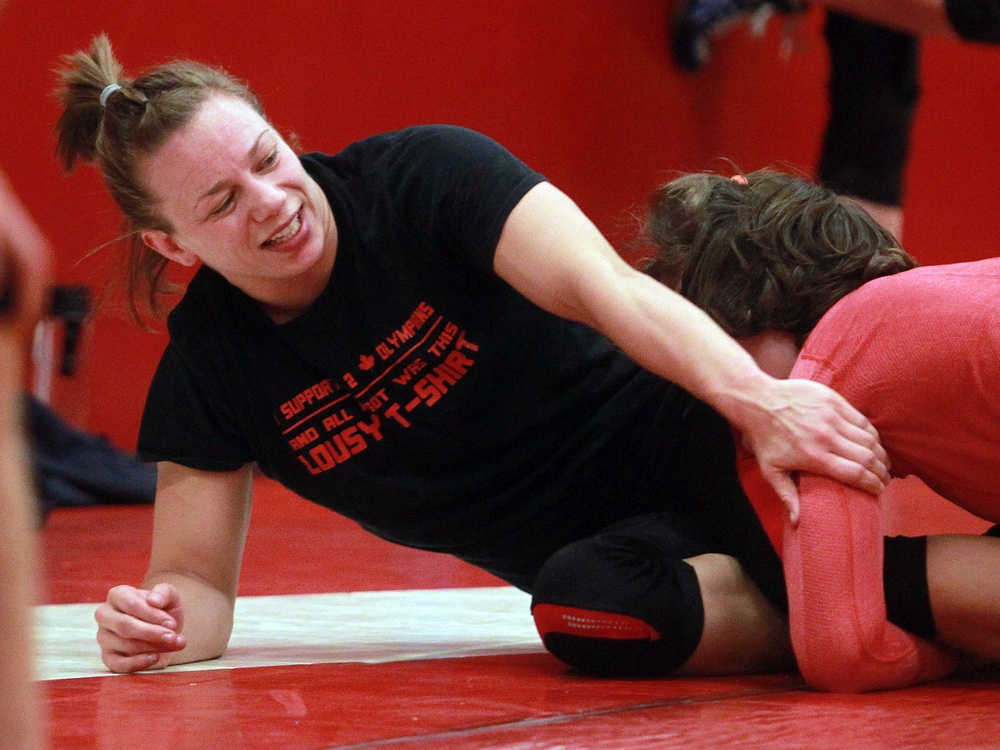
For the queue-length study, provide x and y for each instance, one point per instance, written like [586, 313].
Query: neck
[295, 295]
[298, 294]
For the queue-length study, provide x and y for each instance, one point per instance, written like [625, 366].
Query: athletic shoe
[694, 21]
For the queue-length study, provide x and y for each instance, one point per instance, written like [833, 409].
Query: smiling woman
[479, 374]
[225, 181]
[238, 199]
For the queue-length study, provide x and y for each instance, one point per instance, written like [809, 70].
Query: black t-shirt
[420, 394]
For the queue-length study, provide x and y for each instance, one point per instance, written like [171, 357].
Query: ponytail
[115, 122]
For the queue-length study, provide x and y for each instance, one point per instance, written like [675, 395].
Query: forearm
[20, 725]
[208, 616]
[556, 257]
[669, 336]
[199, 528]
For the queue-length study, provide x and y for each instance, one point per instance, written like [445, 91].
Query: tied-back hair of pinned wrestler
[771, 251]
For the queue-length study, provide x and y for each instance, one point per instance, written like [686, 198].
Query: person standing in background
[874, 85]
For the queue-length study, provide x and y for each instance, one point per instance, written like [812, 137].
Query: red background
[582, 91]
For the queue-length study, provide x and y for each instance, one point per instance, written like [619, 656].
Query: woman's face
[238, 199]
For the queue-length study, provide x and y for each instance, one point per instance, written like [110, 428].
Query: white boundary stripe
[366, 626]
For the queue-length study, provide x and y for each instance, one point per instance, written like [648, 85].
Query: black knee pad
[975, 20]
[904, 577]
[618, 607]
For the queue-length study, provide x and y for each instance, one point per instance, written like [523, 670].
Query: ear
[167, 246]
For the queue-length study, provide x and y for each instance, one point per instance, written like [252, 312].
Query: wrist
[748, 399]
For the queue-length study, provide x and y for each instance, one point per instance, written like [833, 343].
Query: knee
[609, 609]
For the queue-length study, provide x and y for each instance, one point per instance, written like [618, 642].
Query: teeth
[288, 233]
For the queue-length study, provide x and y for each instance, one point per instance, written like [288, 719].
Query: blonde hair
[115, 128]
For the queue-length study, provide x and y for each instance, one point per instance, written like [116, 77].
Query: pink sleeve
[833, 567]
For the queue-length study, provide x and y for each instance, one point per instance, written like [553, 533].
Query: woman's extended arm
[557, 258]
[184, 610]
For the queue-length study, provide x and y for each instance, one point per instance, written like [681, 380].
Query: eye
[224, 206]
[268, 161]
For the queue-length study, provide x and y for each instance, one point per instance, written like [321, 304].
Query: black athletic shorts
[975, 20]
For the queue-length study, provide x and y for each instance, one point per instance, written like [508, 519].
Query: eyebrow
[221, 184]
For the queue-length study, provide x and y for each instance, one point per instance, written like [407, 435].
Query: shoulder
[445, 138]
[426, 145]
[209, 307]
[450, 145]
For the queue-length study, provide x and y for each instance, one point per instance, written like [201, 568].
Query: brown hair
[132, 123]
[775, 253]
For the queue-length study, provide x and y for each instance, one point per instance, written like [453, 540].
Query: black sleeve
[975, 20]
[195, 413]
[179, 423]
[457, 187]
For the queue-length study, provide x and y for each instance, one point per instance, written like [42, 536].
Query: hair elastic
[108, 91]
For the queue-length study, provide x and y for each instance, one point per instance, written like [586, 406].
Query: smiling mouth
[285, 234]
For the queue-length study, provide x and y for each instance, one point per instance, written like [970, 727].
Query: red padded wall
[582, 91]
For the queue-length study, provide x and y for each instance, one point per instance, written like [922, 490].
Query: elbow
[899, 663]
[832, 675]
[195, 652]
[839, 660]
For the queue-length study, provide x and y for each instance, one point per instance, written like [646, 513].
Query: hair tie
[108, 91]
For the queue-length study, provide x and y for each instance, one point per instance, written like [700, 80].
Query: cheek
[225, 232]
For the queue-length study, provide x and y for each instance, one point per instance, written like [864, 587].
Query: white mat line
[367, 626]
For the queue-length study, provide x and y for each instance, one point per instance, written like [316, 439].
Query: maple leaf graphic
[367, 362]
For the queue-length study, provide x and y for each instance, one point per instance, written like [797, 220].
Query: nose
[268, 200]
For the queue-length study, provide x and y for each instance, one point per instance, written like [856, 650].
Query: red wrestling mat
[511, 701]
[293, 547]
[444, 703]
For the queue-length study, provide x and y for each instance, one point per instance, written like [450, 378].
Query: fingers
[163, 596]
[135, 634]
[846, 460]
[123, 655]
[853, 473]
[829, 436]
[783, 484]
[842, 460]
[835, 457]
[859, 465]
[850, 454]
[860, 442]
[147, 606]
